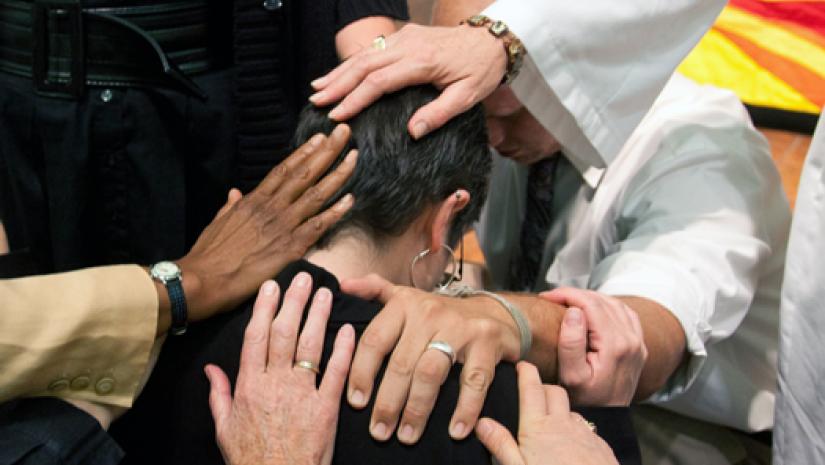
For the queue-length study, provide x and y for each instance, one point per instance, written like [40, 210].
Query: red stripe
[810, 15]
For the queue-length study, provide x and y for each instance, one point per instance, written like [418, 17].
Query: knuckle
[476, 378]
[254, 335]
[428, 373]
[401, 366]
[415, 414]
[487, 329]
[308, 345]
[373, 341]
[313, 195]
[377, 80]
[384, 410]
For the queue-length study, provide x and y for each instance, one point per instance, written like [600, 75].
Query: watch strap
[177, 299]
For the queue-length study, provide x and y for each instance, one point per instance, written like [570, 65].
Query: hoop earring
[452, 277]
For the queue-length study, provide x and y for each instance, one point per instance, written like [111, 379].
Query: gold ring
[307, 365]
[379, 43]
[590, 425]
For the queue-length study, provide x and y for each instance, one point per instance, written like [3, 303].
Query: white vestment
[799, 435]
[594, 67]
[691, 214]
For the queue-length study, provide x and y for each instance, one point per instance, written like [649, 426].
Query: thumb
[220, 398]
[370, 287]
[574, 370]
[231, 199]
[499, 442]
[454, 99]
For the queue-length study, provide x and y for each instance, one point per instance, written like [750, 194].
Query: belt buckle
[66, 15]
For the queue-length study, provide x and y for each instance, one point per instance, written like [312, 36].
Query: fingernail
[573, 317]
[406, 433]
[269, 287]
[314, 98]
[457, 430]
[357, 398]
[323, 295]
[336, 113]
[379, 431]
[420, 129]
[345, 203]
[302, 280]
[318, 82]
[351, 156]
[316, 140]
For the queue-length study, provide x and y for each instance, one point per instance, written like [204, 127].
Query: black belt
[63, 47]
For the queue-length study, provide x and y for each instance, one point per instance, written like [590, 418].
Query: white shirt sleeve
[594, 67]
[701, 231]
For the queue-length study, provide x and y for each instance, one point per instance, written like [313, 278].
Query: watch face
[165, 271]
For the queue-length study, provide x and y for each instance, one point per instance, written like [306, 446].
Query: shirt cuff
[680, 294]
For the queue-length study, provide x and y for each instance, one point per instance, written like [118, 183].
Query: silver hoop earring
[448, 278]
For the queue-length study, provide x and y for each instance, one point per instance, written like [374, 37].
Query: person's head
[514, 131]
[410, 195]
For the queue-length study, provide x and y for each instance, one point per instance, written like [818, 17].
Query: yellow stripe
[773, 39]
[718, 61]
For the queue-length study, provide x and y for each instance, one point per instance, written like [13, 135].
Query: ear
[444, 216]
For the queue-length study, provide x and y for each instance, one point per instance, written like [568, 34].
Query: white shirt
[594, 67]
[691, 215]
[799, 436]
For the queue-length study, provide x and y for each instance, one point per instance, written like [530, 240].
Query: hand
[548, 433]
[253, 237]
[468, 63]
[4, 243]
[278, 416]
[608, 371]
[480, 332]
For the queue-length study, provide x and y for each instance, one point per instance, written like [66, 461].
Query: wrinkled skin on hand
[277, 416]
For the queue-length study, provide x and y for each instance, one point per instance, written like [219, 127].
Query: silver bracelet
[523, 325]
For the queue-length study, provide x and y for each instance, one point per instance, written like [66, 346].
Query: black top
[171, 422]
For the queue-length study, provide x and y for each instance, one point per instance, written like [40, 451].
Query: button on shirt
[690, 215]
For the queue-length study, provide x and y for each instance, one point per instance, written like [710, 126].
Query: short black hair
[397, 177]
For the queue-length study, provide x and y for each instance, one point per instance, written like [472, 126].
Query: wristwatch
[170, 275]
[512, 45]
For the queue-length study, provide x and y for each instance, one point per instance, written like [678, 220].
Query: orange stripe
[800, 78]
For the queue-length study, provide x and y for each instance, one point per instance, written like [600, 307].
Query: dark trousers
[49, 431]
[119, 175]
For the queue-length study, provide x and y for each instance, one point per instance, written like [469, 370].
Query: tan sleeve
[81, 335]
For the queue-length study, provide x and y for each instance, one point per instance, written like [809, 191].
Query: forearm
[359, 34]
[665, 341]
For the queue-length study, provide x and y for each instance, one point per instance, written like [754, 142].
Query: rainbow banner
[772, 54]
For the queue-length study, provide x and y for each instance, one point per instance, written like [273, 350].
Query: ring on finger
[379, 43]
[307, 365]
[590, 425]
[444, 348]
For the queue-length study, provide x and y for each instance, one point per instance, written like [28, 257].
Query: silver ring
[307, 365]
[444, 348]
[379, 43]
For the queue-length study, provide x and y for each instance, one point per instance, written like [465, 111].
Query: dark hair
[397, 177]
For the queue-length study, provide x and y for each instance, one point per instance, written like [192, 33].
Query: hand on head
[467, 63]
[254, 236]
[277, 416]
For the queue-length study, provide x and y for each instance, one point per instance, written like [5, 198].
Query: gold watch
[512, 45]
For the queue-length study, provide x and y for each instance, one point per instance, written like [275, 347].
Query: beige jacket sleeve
[80, 335]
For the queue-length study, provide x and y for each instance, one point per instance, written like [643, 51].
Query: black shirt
[171, 421]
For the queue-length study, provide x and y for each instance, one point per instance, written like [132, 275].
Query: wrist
[492, 47]
[510, 337]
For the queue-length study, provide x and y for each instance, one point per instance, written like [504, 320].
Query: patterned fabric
[537, 220]
[770, 52]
